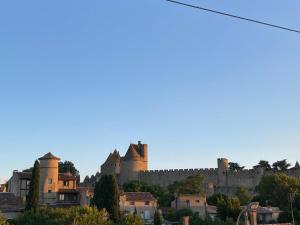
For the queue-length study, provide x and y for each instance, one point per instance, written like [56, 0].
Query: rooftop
[48, 156]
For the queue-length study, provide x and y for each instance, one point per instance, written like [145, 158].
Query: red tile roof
[138, 196]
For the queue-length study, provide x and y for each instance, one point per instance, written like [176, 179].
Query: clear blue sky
[80, 78]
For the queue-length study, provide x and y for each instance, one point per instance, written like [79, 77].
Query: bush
[132, 220]
[59, 216]
[2, 220]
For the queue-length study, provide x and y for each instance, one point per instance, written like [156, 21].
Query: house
[194, 202]
[267, 215]
[141, 202]
[56, 189]
[2, 187]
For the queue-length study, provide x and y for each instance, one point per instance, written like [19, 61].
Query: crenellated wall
[167, 177]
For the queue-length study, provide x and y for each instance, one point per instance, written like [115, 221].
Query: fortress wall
[295, 172]
[245, 178]
[167, 177]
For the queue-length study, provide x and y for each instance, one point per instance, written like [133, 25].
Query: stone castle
[134, 166]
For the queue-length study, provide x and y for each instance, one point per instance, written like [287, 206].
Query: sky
[81, 78]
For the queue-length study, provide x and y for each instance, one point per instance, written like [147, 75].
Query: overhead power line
[233, 16]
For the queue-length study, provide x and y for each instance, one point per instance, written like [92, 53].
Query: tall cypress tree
[157, 218]
[106, 196]
[32, 199]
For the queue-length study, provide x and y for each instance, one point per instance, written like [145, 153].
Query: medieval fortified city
[190, 195]
[149, 112]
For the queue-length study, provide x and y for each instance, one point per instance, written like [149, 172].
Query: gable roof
[48, 156]
[138, 196]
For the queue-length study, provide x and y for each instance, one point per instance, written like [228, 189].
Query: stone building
[141, 202]
[134, 166]
[196, 203]
[55, 189]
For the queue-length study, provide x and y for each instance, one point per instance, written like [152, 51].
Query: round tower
[48, 178]
[135, 160]
[223, 166]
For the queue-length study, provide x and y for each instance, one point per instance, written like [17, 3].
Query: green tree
[275, 189]
[157, 218]
[32, 199]
[243, 195]
[106, 196]
[161, 194]
[263, 164]
[281, 165]
[213, 199]
[63, 216]
[228, 208]
[132, 219]
[233, 166]
[191, 185]
[68, 167]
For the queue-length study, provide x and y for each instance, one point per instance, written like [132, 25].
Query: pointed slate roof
[297, 165]
[115, 156]
[132, 153]
[49, 156]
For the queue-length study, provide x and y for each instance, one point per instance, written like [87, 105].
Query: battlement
[180, 171]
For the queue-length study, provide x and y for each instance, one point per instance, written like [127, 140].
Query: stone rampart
[167, 177]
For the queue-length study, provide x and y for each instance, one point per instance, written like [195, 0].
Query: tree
[191, 185]
[281, 165]
[106, 196]
[213, 199]
[228, 208]
[132, 219]
[68, 167]
[32, 199]
[263, 164]
[161, 194]
[275, 189]
[2, 220]
[243, 195]
[157, 218]
[233, 166]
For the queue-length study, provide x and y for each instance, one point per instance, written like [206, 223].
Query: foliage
[161, 194]
[28, 170]
[191, 185]
[106, 196]
[276, 188]
[243, 195]
[132, 219]
[32, 199]
[2, 220]
[67, 167]
[281, 165]
[195, 219]
[62, 216]
[233, 166]
[263, 164]
[228, 208]
[286, 217]
[157, 218]
[213, 199]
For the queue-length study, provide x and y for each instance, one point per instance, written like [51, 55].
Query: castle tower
[135, 160]
[48, 178]
[223, 166]
[112, 164]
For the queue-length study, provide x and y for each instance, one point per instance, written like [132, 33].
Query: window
[188, 204]
[66, 183]
[132, 203]
[27, 183]
[61, 197]
[147, 203]
[50, 181]
[49, 191]
[197, 201]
